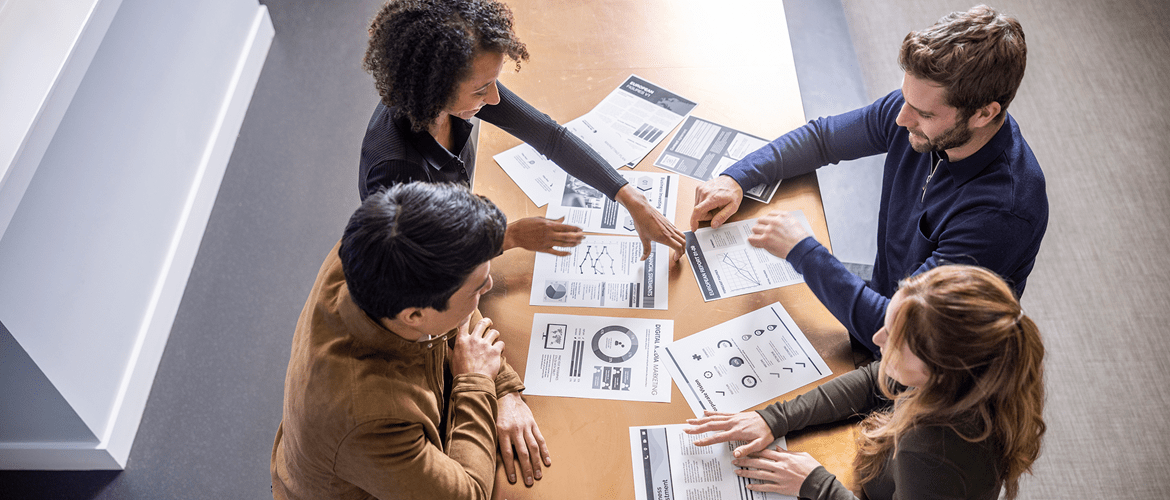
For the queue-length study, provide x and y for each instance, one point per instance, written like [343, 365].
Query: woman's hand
[542, 235]
[746, 426]
[650, 223]
[784, 471]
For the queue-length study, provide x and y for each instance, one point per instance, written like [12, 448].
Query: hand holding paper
[778, 233]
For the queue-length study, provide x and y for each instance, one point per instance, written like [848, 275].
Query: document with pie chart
[602, 271]
[598, 357]
[741, 363]
[726, 265]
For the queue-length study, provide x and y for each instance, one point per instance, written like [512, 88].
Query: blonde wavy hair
[986, 374]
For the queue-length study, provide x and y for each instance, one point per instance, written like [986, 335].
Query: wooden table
[734, 59]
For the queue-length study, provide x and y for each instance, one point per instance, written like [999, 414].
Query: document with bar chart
[725, 265]
[630, 122]
[598, 357]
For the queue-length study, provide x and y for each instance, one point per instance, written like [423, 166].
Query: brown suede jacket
[365, 415]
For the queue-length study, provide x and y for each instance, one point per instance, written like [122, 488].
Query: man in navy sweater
[960, 183]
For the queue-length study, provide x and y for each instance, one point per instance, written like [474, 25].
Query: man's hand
[716, 200]
[477, 351]
[542, 235]
[747, 426]
[784, 471]
[519, 434]
[777, 233]
[650, 223]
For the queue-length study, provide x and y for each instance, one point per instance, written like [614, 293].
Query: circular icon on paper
[723, 343]
[749, 381]
[555, 291]
[746, 337]
[615, 344]
[736, 361]
[759, 332]
[708, 374]
[771, 327]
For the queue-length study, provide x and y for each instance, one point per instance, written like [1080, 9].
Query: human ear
[412, 316]
[985, 115]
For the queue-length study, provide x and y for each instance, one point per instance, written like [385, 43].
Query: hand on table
[520, 435]
[777, 233]
[716, 200]
[542, 235]
[650, 223]
[747, 426]
[477, 351]
[784, 471]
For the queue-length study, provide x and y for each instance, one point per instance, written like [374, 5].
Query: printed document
[599, 358]
[749, 360]
[593, 212]
[726, 265]
[703, 150]
[602, 271]
[667, 465]
[623, 129]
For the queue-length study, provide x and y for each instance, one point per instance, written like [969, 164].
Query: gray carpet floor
[1093, 106]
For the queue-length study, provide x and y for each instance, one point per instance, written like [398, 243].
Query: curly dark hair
[420, 50]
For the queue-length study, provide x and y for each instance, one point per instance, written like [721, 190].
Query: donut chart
[614, 344]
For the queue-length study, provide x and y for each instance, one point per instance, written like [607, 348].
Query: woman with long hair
[436, 64]
[953, 409]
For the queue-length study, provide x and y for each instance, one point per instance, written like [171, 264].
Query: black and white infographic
[741, 363]
[668, 465]
[703, 150]
[602, 271]
[726, 265]
[585, 207]
[598, 357]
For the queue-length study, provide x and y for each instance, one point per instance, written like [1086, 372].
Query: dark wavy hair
[414, 245]
[979, 56]
[420, 50]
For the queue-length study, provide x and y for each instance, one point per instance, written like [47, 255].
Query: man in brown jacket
[392, 391]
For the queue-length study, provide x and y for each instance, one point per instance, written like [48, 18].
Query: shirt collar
[967, 168]
[434, 153]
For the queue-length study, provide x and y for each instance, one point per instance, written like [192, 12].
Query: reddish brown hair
[985, 360]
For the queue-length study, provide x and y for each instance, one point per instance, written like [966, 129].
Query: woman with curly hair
[956, 401]
[435, 64]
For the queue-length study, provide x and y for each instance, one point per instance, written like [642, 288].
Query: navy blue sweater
[989, 209]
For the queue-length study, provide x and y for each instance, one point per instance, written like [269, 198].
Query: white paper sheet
[725, 265]
[602, 271]
[623, 128]
[668, 466]
[598, 357]
[703, 150]
[588, 209]
[741, 363]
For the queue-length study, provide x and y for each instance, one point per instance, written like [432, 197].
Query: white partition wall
[108, 182]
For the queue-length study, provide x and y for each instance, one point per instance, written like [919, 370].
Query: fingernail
[528, 481]
[512, 478]
[537, 474]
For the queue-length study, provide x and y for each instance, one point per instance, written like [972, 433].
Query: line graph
[738, 272]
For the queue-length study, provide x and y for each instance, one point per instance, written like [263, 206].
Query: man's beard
[951, 138]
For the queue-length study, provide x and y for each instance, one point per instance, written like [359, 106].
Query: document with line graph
[725, 265]
[602, 271]
[741, 363]
[668, 465]
[598, 357]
